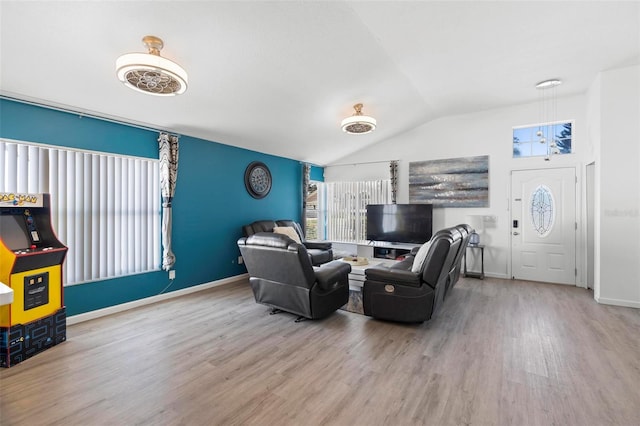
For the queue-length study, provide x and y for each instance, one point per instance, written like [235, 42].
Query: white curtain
[104, 206]
[168, 145]
[347, 207]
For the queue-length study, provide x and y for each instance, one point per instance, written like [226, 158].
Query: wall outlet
[172, 274]
[240, 260]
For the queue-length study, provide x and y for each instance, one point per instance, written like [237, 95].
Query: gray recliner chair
[282, 277]
[319, 251]
[397, 294]
[454, 274]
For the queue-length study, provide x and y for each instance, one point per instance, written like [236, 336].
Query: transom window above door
[543, 140]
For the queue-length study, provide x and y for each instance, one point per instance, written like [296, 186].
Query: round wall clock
[257, 179]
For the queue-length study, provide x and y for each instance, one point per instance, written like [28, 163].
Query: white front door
[543, 225]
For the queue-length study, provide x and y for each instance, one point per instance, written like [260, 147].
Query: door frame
[579, 171]
[589, 226]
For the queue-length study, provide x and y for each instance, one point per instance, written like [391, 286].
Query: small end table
[475, 274]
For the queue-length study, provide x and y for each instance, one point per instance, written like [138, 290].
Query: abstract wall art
[452, 182]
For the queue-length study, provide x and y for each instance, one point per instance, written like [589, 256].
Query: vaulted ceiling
[278, 77]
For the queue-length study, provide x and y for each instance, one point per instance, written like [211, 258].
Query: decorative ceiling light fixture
[548, 115]
[151, 73]
[358, 124]
[548, 83]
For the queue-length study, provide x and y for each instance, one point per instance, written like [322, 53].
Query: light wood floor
[499, 352]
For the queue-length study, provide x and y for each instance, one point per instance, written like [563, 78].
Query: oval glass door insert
[542, 209]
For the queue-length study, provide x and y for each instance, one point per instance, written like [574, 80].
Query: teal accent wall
[209, 208]
[316, 173]
[30, 123]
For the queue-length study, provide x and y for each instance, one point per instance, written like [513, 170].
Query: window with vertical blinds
[346, 209]
[105, 207]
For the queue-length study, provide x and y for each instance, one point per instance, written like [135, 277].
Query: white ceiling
[278, 77]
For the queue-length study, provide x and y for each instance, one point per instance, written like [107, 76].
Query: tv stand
[389, 252]
[385, 249]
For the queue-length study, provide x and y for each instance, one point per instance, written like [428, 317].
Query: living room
[211, 205]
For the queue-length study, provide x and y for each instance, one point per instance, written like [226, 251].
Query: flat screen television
[399, 223]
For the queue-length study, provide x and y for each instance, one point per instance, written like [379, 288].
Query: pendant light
[548, 115]
[151, 73]
[358, 124]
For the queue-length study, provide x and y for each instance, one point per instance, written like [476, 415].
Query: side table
[356, 283]
[475, 274]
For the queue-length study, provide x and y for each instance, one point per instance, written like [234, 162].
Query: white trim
[75, 319]
[617, 302]
[494, 275]
[549, 123]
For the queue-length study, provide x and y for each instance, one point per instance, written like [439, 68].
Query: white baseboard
[496, 275]
[489, 275]
[618, 302]
[75, 319]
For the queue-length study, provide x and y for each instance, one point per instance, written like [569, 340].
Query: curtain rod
[358, 164]
[82, 114]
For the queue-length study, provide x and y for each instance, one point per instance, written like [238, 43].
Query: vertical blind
[346, 210]
[105, 207]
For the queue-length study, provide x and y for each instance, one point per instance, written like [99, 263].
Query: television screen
[399, 223]
[14, 232]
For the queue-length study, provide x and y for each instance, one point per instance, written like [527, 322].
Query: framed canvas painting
[452, 182]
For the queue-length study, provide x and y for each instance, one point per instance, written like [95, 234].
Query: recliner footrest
[396, 302]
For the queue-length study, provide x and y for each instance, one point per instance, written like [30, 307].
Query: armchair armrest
[394, 276]
[405, 264]
[321, 245]
[330, 273]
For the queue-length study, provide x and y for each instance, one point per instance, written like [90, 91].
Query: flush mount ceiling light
[358, 124]
[548, 83]
[151, 73]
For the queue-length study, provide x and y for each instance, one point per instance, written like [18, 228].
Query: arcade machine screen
[13, 231]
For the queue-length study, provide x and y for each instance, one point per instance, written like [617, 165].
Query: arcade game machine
[31, 266]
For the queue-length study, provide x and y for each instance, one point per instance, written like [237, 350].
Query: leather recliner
[397, 294]
[282, 277]
[319, 251]
[454, 275]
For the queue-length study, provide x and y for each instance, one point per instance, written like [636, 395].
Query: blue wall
[210, 205]
[316, 173]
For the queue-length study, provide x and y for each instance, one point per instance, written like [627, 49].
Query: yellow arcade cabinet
[31, 258]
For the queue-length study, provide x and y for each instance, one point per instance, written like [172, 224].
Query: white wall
[618, 172]
[482, 133]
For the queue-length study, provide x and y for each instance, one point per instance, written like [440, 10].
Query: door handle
[516, 233]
